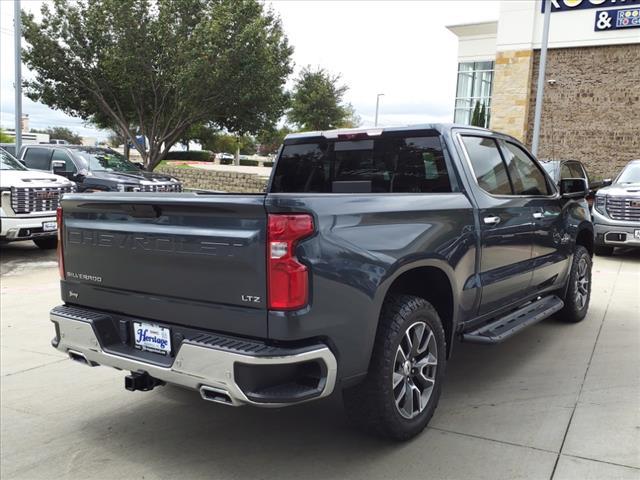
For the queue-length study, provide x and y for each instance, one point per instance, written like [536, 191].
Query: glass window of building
[473, 94]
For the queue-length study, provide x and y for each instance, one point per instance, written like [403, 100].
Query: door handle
[494, 220]
[538, 215]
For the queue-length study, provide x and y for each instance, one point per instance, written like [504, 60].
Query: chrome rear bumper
[207, 369]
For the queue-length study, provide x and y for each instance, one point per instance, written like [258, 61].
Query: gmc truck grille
[627, 209]
[37, 199]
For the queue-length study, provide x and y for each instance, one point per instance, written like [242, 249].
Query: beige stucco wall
[511, 91]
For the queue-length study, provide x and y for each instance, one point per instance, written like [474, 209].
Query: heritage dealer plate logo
[152, 338]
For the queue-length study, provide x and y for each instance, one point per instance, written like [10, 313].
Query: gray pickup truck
[370, 254]
[616, 215]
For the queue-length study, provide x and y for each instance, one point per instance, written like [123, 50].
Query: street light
[537, 113]
[17, 28]
[377, 107]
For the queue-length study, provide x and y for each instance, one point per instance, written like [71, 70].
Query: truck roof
[439, 127]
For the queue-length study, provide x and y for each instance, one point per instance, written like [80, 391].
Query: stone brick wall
[511, 90]
[232, 182]
[592, 113]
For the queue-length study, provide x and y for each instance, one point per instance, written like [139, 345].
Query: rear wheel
[576, 300]
[402, 388]
[46, 243]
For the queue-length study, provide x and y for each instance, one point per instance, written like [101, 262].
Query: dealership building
[591, 107]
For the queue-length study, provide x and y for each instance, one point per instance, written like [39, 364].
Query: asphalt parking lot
[557, 401]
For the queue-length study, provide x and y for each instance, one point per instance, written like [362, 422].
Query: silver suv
[616, 216]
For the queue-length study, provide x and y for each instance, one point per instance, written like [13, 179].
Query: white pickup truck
[28, 202]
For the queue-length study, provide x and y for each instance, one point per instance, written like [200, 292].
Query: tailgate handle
[141, 211]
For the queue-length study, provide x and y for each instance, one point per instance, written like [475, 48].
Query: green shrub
[194, 155]
[268, 164]
[249, 163]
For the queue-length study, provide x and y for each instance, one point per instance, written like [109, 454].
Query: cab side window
[37, 158]
[526, 176]
[62, 156]
[487, 164]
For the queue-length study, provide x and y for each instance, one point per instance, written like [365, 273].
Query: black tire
[372, 405]
[603, 250]
[578, 291]
[46, 243]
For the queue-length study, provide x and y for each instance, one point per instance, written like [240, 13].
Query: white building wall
[521, 22]
[476, 42]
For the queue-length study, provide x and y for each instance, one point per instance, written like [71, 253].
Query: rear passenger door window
[527, 178]
[37, 158]
[487, 164]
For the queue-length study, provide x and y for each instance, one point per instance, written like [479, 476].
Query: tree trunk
[126, 148]
[236, 158]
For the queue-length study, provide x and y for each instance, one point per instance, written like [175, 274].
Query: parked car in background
[28, 202]
[561, 169]
[96, 169]
[371, 253]
[616, 213]
[9, 147]
[224, 156]
[56, 141]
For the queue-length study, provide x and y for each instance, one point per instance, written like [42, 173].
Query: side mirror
[58, 167]
[574, 188]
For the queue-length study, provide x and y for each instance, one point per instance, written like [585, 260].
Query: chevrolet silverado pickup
[370, 253]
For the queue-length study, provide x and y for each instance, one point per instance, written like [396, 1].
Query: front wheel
[576, 300]
[402, 388]
[46, 243]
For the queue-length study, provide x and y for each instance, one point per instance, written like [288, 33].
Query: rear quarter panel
[361, 245]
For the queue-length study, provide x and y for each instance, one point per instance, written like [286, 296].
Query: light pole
[540, 89]
[377, 107]
[17, 28]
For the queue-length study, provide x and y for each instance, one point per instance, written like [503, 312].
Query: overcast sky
[401, 49]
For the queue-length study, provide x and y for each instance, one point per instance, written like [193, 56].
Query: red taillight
[288, 279]
[59, 249]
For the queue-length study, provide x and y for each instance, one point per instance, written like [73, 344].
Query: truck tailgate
[191, 259]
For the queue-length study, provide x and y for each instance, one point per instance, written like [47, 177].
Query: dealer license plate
[49, 226]
[636, 234]
[152, 338]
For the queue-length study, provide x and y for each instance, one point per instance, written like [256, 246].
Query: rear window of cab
[397, 164]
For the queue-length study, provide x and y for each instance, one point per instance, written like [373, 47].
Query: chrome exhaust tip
[217, 395]
[79, 357]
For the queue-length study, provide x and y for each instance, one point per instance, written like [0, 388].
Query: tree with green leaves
[61, 133]
[482, 118]
[270, 140]
[317, 101]
[157, 67]
[4, 138]
[475, 115]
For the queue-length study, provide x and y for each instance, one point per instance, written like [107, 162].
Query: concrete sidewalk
[556, 401]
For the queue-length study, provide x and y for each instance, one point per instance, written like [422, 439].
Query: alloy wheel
[414, 372]
[582, 284]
